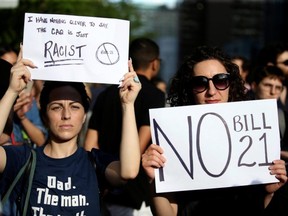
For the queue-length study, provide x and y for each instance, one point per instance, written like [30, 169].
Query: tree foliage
[12, 20]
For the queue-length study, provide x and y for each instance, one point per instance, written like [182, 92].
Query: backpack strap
[31, 172]
[29, 168]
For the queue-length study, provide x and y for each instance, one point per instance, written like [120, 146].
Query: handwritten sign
[76, 48]
[216, 145]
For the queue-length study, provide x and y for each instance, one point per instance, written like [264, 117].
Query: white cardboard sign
[76, 48]
[216, 145]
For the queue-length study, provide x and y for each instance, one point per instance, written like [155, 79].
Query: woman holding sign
[65, 180]
[207, 77]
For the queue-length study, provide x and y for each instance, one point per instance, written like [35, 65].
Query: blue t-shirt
[67, 186]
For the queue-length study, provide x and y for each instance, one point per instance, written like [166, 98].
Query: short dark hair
[5, 68]
[259, 73]
[51, 85]
[270, 52]
[143, 51]
[6, 49]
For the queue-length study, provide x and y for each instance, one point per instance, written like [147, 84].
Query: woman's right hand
[129, 89]
[23, 104]
[20, 74]
[152, 159]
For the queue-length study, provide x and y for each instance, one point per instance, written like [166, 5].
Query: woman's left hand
[130, 86]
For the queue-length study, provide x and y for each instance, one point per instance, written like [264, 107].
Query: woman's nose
[66, 114]
[211, 88]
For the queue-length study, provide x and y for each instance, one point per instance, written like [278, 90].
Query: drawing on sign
[107, 54]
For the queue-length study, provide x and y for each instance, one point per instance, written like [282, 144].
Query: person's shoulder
[17, 155]
[150, 90]
[18, 149]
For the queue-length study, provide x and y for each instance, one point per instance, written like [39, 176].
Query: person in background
[268, 83]
[8, 54]
[105, 126]
[7, 126]
[64, 171]
[244, 68]
[208, 76]
[276, 54]
[159, 83]
[95, 89]
[36, 91]
[28, 127]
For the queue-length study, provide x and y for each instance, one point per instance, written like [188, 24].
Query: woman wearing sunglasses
[208, 76]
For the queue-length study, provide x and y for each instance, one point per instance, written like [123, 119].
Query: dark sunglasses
[201, 83]
[284, 62]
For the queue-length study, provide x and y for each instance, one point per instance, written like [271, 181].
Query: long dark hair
[180, 92]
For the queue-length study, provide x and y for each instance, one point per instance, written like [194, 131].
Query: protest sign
[216, 145]
[76, 48]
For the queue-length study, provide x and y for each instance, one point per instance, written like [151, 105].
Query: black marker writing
[242, 159]
[64, 54]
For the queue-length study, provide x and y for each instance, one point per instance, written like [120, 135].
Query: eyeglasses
[201, 83]
[284, 62]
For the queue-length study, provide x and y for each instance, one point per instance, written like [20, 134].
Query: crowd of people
[57, 120]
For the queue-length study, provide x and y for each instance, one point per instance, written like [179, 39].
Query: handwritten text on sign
[76, 48]
[216, 145]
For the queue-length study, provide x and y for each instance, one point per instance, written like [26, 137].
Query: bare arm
[3, 159]
[22, 106]
[163, 204]
[20, 76]
[33, 132]
[91, 140]
[129, 164]
[144, 137]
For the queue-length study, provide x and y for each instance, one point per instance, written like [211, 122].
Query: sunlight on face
[209, 68]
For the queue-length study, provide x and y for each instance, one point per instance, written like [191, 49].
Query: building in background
[239, 26]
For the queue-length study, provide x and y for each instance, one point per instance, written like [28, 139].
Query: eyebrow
[60, 103]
